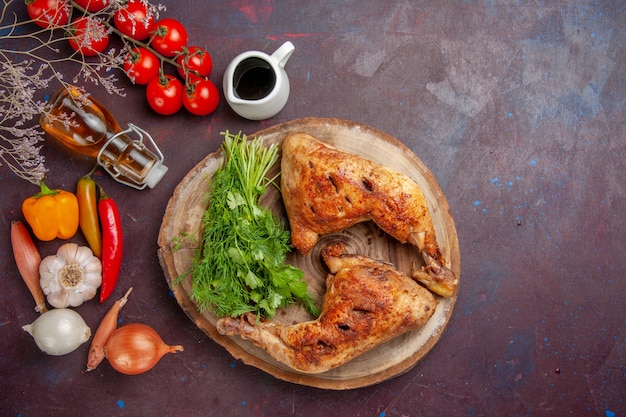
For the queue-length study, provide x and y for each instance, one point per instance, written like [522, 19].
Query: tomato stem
[127, 38]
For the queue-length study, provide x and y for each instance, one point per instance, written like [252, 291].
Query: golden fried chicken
[326, 190]
[367, 302]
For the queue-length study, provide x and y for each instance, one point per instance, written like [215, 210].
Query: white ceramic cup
[256, 85]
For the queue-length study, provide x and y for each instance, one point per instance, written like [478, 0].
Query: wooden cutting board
[181, 230]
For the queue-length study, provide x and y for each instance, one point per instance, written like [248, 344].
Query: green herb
[241, 265]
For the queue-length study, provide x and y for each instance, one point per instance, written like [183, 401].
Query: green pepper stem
[103, 195]
[45, 190]
[88, 175]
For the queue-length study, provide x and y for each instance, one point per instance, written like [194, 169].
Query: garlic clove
[93, 279]
[58, 299]
[47, 282]
[93, 268]
[52, 265]
[83, 255]
[66, 253]
[77, 297]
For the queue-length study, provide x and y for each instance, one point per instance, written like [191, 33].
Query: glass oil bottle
[85, 127]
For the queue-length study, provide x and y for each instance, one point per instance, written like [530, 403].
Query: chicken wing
[367, 302]
[326, 190]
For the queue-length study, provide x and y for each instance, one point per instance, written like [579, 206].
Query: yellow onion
[136, 348]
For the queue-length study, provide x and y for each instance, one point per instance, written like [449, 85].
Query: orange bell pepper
[52, 213]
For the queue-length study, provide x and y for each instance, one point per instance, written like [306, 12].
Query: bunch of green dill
[241, 267]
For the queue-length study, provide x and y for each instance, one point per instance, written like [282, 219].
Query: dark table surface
[518, 109]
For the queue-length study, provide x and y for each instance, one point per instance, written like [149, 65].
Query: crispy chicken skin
[326, 190]
[367, 302]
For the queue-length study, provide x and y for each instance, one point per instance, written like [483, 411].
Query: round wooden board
[180, 235]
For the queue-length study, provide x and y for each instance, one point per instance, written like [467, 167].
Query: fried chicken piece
[367, 302]
[326, 190]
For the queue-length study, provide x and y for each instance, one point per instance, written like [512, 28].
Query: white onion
[59, 331]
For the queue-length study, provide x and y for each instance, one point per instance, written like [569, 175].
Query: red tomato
[93, 5]
[194, 60]
[201, 97]
[89, 36]
[165, 94]
[141, 65]
[135, 19]
[168, 37]
[49, 13]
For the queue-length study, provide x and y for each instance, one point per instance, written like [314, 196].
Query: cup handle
[282, 54]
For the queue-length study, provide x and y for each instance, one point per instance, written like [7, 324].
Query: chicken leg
[367, 302]
[326, 190]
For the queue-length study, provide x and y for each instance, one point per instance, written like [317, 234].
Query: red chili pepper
[112, 244]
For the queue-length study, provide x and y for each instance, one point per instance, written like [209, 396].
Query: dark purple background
[517, 107]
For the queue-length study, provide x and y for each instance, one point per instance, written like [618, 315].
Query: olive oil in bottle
[85, 127]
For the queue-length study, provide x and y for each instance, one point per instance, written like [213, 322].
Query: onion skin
[105, 330]
[136, 348]
[27, 258]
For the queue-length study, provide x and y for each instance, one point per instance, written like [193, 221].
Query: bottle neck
[130, 161]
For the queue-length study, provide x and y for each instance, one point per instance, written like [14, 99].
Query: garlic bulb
[59, 331]
[70, 277]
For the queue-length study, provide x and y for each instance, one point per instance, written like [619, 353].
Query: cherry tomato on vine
[165, 94]
[194, 60]
[89, 36]
[201, 97]
[141, 65]
[93, 5]
[168, 37]
[49, 13]
[135, 20]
